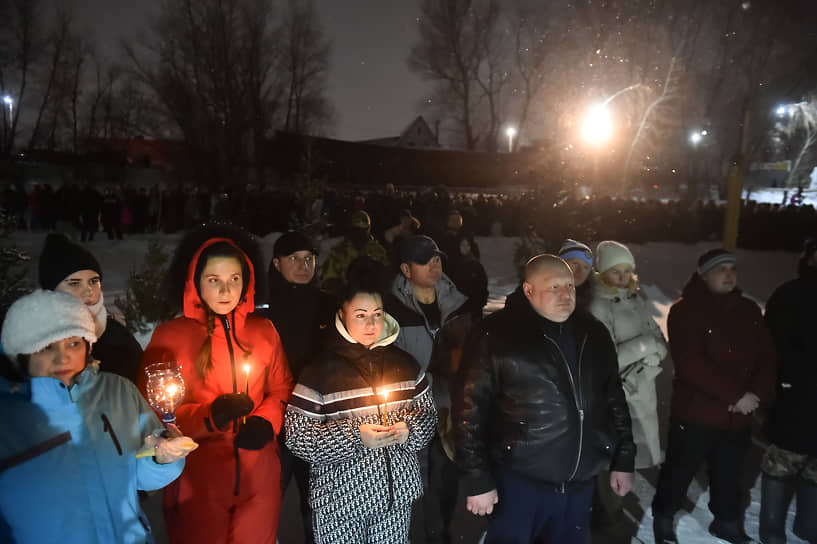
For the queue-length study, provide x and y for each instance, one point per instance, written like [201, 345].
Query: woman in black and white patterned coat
[362, 450]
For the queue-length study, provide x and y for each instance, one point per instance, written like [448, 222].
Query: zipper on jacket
[577, 401]
[108, 428]
[225, 322]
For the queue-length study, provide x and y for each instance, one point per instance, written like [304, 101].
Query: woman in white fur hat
[618, 302]
[70, 433]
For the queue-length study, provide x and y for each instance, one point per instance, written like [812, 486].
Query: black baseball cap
[419, 249]
[290, 242]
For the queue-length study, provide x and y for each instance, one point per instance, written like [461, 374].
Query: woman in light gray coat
[619, 303]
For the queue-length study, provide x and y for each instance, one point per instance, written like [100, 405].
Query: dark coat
[790, 314]
[518, 406]
[301, 315]
[721, 349]
[118, 351]
[469, 276]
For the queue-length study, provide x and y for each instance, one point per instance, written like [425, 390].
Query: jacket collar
[696, 291]
[49, 391]
[520, 306]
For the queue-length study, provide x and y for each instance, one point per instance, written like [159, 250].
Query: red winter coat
[224, 494]
[721, 349]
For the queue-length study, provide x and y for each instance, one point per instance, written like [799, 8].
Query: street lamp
[510, 132]
[10, 103]
[597, 126]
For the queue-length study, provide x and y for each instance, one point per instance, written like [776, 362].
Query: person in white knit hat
[618, 302]
[70, 433]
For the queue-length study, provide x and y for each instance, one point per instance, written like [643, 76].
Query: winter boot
[663, 530]
[730, 531]
[775, 496]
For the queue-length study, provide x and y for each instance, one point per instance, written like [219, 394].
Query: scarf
[100, 315]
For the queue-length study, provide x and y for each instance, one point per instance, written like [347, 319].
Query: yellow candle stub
[385, 406]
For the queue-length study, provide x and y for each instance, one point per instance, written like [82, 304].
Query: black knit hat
[61, 257]
[713, 258]
[290, 242]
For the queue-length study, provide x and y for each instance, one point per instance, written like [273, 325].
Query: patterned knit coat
[341, 390]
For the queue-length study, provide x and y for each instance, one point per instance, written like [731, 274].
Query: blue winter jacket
[68, 469]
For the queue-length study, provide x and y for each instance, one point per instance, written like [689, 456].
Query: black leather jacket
[517, 405]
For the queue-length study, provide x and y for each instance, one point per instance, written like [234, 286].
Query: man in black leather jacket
[539, 410]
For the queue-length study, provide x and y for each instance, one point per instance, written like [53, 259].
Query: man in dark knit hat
[725, 366]
[301, 312]
[70, 268]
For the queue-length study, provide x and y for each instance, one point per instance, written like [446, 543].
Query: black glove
[254, 434]
[230, 406]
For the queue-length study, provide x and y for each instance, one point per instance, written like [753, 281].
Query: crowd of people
[376, 381]
[554, 212]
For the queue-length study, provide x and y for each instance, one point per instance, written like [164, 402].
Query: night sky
[370, 86]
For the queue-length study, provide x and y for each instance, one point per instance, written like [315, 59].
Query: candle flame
[171, 389]
[247, 369]
[385, 396]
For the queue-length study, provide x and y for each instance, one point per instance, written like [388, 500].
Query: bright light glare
[695, 137]
[597, 126]
[7, 99]
[704, 132]
[511, 132]
[780, 111]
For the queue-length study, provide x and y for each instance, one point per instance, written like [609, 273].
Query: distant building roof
[417, 135]
[164, 154]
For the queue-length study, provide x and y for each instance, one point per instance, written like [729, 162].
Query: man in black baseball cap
[434, 318]
[301, 312]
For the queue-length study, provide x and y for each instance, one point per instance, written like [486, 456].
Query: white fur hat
[610, 253]
[43, 317]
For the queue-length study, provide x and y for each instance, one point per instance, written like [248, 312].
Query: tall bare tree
[305, 59]
[211, 63]
[451, 52]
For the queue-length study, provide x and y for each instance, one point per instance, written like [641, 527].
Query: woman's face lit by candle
[221, 283]
[363, 317]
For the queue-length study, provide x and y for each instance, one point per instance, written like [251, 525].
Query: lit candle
[246, 384]
[385, 406]
[171, 391]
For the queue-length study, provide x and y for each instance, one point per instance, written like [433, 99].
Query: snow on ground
[774, 195]
[662, 267]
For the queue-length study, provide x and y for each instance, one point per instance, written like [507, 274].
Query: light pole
[510, 132]
[10, 103]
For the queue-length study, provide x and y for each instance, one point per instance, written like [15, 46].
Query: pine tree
[144, 305]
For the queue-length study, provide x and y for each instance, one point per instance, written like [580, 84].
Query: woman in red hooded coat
[230, 490]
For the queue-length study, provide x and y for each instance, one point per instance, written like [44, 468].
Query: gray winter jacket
[433, 350]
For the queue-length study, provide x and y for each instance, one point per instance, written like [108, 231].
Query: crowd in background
[552, 212]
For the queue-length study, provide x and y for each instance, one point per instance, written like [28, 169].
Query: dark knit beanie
[713, 258]
[61, 257]
[290, 242]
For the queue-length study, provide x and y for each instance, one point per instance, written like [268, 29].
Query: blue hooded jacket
[68, 469]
